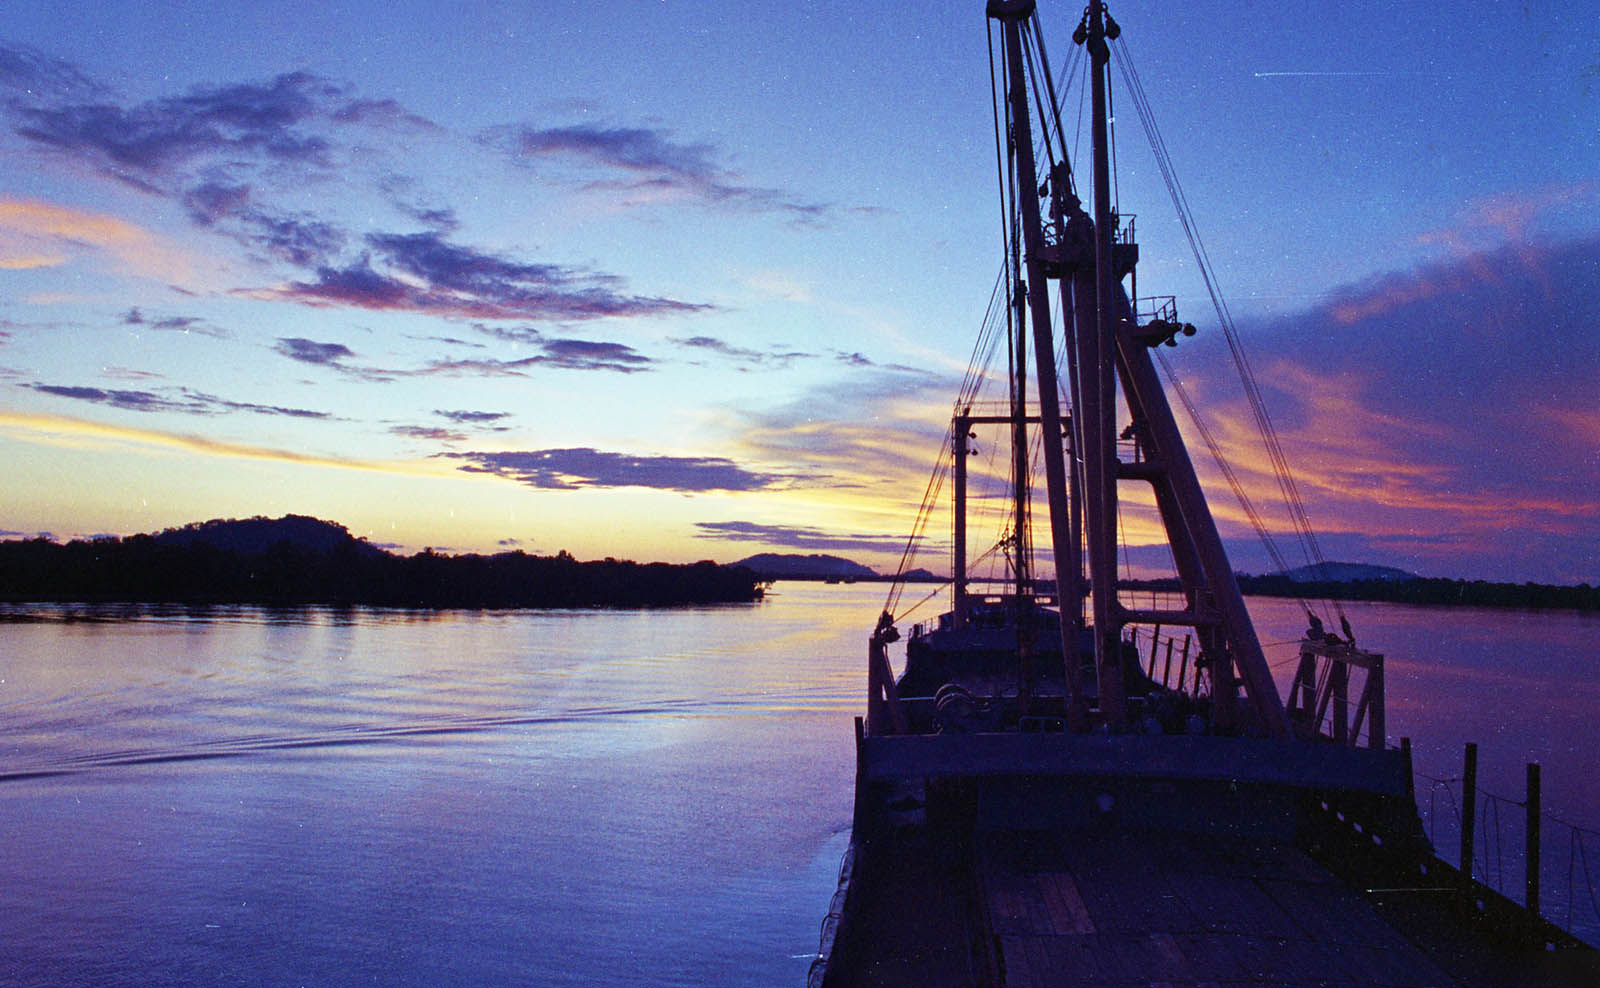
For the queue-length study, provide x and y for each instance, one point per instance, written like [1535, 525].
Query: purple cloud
[797, 537]
[582, 468]
[136, 401]
[464, 417]
[182, 400]
[28, 73]
[311, 352]
[633, 148]
[381, 112]
[659, 163]
[157, 136]
[710, 344]
[433, 433]
[228, 153]
[560, 354]
[451, 280]
[179, 324]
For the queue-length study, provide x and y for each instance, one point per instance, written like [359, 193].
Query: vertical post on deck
[1532, 898]
[960, 426]
[1469, 809]
[1411, 779]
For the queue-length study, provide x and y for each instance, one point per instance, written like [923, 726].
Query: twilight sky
[678, 280]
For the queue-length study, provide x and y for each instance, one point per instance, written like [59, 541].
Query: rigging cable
[1285, 479]
[1249, 507]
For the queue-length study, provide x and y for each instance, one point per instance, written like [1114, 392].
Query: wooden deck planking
[1113, 910]
[1226, 904]
[1068, 914]
[1334, 914]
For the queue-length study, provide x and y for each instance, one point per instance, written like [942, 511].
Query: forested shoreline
[148, 569]
[1420, 590]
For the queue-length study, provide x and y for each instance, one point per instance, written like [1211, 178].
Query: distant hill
[791, 566]
[297, 560]
[1345, 573]
[923, 576]
[254, 536]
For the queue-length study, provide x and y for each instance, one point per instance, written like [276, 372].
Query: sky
[670, 280]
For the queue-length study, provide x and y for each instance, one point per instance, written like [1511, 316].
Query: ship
[1070, 783]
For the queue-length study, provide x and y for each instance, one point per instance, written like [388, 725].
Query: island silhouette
[297, 560]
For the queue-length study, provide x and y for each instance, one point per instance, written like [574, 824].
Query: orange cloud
[1581, 424]
[66, 431]
[1358, 469]
[35, 233]
[13, 259]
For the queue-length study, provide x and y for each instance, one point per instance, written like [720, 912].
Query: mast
[1105, 347]
[1063, 547]
[1117, 346]
[1097, 390]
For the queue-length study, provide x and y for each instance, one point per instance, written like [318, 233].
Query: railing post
[1411, 779]
[1532, 898]
[1377, 725]
[1469, 809]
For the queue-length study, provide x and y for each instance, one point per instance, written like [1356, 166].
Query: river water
[243, 796]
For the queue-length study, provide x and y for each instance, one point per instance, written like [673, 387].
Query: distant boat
[1069, 785]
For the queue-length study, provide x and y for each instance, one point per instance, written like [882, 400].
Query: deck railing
[1512, 847]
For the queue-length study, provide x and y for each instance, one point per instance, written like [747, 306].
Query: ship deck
[1014, 861]
[1126, 909]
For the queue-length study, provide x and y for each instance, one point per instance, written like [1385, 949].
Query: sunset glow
[475, 286]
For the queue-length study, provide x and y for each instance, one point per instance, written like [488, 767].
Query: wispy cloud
[74, 432]
[583, 468]
[311, 352]
[184, 400]
[36, 233]
[659, 166]
[429, 432]
[776, 356]
[468, 417]
[556, 353]
[176, 324]
[233, 155]
[423, 272]
[798, 537]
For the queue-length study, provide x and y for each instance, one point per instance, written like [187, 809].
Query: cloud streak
[797, 537]
[658, 166]
[176, 324]
[423, 272]
[745, 356]
[182, 400]
[35, 233]
[70, 431]
[583, 468]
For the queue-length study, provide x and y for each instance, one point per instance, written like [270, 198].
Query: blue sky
[673, 280]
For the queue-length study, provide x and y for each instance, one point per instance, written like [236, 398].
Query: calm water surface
[241, 796]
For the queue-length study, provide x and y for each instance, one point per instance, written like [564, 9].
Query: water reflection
[582, 797]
